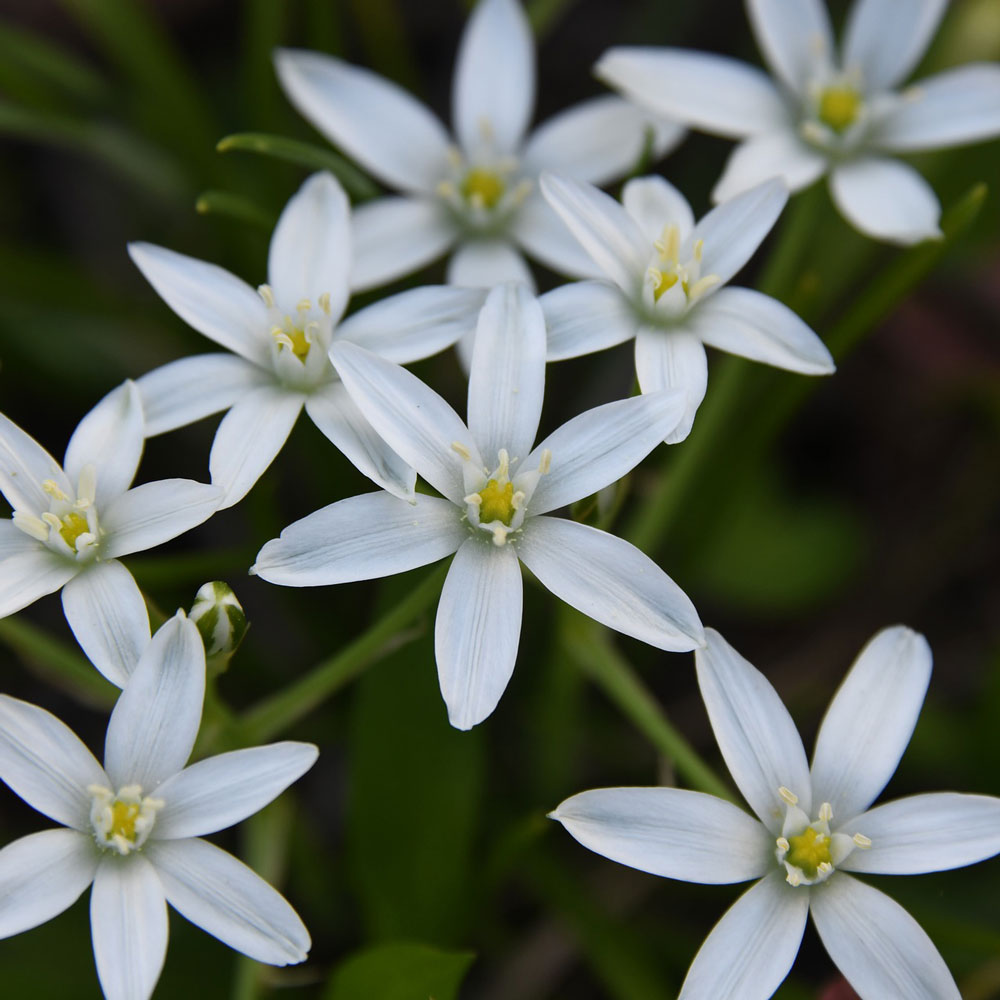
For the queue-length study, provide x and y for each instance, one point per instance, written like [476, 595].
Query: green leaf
[400, 972]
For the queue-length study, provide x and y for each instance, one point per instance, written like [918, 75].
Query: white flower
[279, 337]
[133, 827]
[826, 111]
[665, 286]
[69, 527]
[496, 491]
[477, 192]
[814, 826]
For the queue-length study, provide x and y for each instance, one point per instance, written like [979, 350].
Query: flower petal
[673, 359]
[870, 721]
[598, 140]
[771, 154]
[655, 203]
[611, 581]
[884, 39]
[24, 466]
[671, 832]
[758, 740]
[507, 378]
[128, 924]
[15, 542]
[927, 833]
[335, 414]
[599, 446]
[714, 93]
[250, 436]
[886, 200]
[414, 420]
[544, 237]
[485, 263]
[477, 629]
[605, 230]
[362, 538]
[394, 237]
[750, 950]
[881, 950]
[153, 513]
[496, 45]
[584, 317]
[216, 303]
[110, 437]
[223, 896]
[106, 611]
[377, 122]
[179, 393]
[793, 37]
[310, 251]
[948, 109]
[154, 724]
[46, 763]
[31, 574]
[41, 875]
[753, 325]
[215, 793]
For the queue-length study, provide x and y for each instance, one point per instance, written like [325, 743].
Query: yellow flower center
[839, 107]
[808, 851]
[484, 186]
[123, 817]
[497, 503]
[73, 526]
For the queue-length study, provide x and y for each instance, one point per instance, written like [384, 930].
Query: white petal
[870, 721]
[710, 92]
[507, 379]
[733, 230]
[335, 414]
[414, 324]
[394, 237]
[949, 109]
[605, 230]
[671, 832]
[600, 446]
[598, 140]
[207, 297]
[484, 263]
[477, 629]
[362, 538]
[673, 359]
[881, 950]
[105, 609]
[545, 237]
[110, 437]
[153, 513]
[41, 875]
[794, 38]
[772, 154]
[753, 325]
[155, 721]
[758, 740]
[46, 763]
[655, 203]
[885, 39]
[30, 574]
[15, 542]
[887, 200]
[24, 466]
[493, 92]
[249, 437]
[184, 391]
[217, 792]
[611, 581]
[226, 898]
[926, 833]
[128, 924]
[414, 420]
[750, 950]
[586, 316]
[377, 122]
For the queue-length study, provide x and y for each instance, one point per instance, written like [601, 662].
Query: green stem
[275, 714]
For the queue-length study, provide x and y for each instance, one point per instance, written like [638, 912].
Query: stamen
[304, 306]
[546, 462]
[862, 841]
[31, 525]
[52, 488]
[826, 812]
[702, 285]
[788, 796]
[461, 450]
[324, 303]
[782, 842]
[267, 294]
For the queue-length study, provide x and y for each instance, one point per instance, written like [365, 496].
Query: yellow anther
[293, 338]
[862, 841]
[809, 851]
[461, 450]
[482, 186]
[782, 844]
[788, 796]
[839, 107]
[324, 303]
[699, 249]
[304, 306]
[265, 292]
[496, 503]
[546, 463]
[447, 190]
[52, 488]
[662, 281]
[702, 285]
[826, 812]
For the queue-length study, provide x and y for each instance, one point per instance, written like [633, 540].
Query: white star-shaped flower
[71, 523]
[279, 337]
[813, 826]
[133, 827]
[496, 491]
[826, 110]
[664, 286]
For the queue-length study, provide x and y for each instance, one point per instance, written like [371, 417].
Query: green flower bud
[220, 619]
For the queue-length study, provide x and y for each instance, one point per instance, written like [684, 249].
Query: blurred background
[801, 516]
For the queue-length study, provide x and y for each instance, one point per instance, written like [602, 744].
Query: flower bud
[220, 619]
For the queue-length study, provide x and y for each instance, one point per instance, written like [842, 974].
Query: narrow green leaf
[400, 972]
[234, 206]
